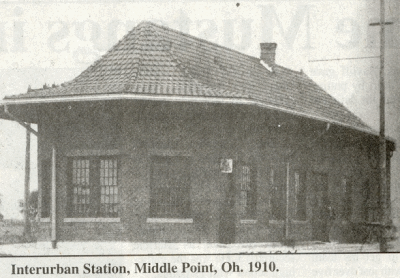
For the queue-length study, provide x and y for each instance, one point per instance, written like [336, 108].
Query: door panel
[227, 228]
[319, 206]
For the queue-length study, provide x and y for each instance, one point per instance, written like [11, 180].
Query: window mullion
[88, 186]
[94, 180]
[70, 188]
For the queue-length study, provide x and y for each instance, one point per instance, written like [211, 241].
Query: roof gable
[156, 60]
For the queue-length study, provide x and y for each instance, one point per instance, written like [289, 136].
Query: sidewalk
[130, 248]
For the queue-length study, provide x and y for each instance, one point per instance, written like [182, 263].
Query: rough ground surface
[11, 244]
[11, 232]
[126, 248]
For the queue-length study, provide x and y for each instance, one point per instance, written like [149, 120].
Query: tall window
[348, 198]
[93, 188]
[45, 189]
[278, 194]
[300, 196]
[109, 187]
[247, 192]
[371, 197]
[170, 186]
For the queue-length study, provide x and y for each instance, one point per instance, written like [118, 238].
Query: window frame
[248, 205]
[181, 215]
[95, 189]
[300, 191]
[281, 189]
[371, 201]
[347, 209]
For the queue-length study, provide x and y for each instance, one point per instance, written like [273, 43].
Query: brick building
[168, 137]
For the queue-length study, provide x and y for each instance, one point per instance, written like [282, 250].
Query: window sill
[300, 221]
[248, 221]
[170, 220]
[276, 221]
[44, 220]
[86, 220]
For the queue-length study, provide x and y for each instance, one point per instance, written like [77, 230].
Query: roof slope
[156, 60]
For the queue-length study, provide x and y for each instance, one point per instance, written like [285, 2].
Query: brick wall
[205, 133]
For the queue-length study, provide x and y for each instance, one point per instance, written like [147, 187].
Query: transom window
[93, 187]
[247, 192]
[170, 187]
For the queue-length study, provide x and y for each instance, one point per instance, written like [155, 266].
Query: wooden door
[227, 227]
[319, 206]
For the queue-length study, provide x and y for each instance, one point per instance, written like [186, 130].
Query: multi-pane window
[81, 188]
[170, 187]
[247, 192]
[278, 196]
[300, 196]
[109, 187]
[93, 189]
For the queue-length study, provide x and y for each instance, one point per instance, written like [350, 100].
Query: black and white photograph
[195, 138]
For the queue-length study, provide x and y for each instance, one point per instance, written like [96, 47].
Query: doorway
[227, 227]
[319, 206]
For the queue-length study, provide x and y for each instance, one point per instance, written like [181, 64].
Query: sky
[52, 42]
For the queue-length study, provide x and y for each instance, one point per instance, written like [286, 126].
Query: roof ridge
[140, 37]
[74, 80]
[198, 39]
[173, 56]
[299, 72]
[209, 43]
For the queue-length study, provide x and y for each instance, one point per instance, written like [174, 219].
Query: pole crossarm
[379, 23]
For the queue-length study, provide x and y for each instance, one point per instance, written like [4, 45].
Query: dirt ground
[13, 243]
[11, 232]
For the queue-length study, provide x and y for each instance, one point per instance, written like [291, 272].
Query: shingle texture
[153, 59]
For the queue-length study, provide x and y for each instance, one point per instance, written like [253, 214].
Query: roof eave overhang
[179, 98]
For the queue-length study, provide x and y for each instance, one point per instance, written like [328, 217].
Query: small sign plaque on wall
[226, 165]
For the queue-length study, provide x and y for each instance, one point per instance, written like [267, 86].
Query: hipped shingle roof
[155, 60]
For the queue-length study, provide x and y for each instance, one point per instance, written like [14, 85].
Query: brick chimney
[268, 53]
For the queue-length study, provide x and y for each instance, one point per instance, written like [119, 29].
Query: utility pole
[384, 215]
[383, 246]
[382, 140]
